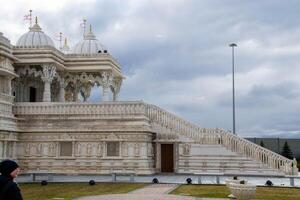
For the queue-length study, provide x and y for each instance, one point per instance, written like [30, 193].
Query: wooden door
[167, 158]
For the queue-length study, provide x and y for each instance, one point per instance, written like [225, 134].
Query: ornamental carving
[125, 149]
[107, 79]
[29, 71]
[186, 149]
[49, 72]
[6, 64]
[136, 149]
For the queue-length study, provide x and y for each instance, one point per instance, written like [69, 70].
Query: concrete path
[151, 192]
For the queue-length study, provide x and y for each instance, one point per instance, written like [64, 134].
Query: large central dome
[89, 45]
[35, 38]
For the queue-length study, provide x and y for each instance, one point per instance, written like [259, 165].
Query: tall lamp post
[232, 45]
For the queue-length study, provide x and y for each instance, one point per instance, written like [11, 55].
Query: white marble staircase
[217, 159]
[246, 158]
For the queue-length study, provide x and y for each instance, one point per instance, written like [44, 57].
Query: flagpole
[84, 24]
[30, 18]
[60, 39]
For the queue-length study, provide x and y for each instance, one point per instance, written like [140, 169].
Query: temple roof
[35, 38]
[89, 45]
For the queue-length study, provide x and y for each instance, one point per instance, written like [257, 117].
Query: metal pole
[233, 96]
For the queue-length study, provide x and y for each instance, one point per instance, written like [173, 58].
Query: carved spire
[36, 26]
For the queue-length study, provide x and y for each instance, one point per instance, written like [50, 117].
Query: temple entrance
[32, 94]
[167, 158]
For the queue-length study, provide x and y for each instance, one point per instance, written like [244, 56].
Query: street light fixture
[232, 45]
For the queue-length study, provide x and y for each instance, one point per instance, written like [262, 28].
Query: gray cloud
[175, 54]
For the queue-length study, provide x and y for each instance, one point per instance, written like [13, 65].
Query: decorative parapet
[109, 108]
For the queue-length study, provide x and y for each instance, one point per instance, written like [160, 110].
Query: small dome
[89, 45]
[35, 38]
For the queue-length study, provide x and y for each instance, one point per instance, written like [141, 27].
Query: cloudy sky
[175, 54]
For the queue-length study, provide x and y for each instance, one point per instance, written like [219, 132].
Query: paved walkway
[152, 192]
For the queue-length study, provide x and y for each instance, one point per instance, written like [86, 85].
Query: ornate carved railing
[104, 108]
[265, 156]
[236, 144]
[163, 122]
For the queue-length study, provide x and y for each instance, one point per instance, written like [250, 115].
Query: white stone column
[49, 72]
[117, 86]
[5, 149]
[9, 90]
[76, 92]
[105, 93]
[1, 149]
[14, 150]
[106, 83]
[62, 90]
[158, 157]
[115, 96]
[47, 90]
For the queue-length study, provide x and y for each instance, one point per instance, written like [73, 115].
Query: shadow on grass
[68, 191]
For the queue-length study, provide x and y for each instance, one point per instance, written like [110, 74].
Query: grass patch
[68, 191]
[220, 191]
[212, 191]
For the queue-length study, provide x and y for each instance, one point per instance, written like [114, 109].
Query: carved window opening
[66, 148]
[112, 149]
[32, 94]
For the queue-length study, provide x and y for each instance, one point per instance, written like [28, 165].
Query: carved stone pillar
[117, 85]
[106, 82]
[49, 72]
[5, 149]
[62, 90]
[9, 90]
[76, 91]
[14, 151]
[105, 95]
[86, 91]
[115, 96]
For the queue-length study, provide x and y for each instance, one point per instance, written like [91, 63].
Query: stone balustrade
[219, 136]
[265, 156]
[164, 122]
[56, 108]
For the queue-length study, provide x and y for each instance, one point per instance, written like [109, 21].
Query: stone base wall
[85, 143]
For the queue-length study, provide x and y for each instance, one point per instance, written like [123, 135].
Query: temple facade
[48, 125]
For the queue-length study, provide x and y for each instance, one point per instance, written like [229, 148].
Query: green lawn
[262, 193]
[68, 191]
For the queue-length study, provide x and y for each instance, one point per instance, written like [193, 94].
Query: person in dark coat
[9, 190]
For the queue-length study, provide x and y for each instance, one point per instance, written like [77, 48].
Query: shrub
[269, 183]
[43, 183]
[92, 182]
[189, 180]
[286, 151]
[155, 181]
